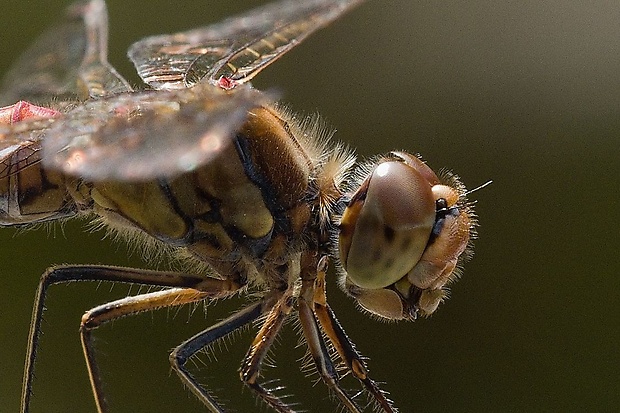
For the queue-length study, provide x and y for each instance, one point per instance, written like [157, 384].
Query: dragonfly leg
[188, 288]
[251, 365]
[343, 345]
[181, 354]
[320, 355]
[113, 310]
[312, 264]
[23, 110]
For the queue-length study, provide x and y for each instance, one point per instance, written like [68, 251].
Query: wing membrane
[20, 145]
[147, 135]
[236, 49]
[119, 134]
[67, 63]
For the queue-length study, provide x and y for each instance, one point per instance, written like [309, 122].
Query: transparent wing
[67, 63]
[20, 145]
[146, 135]
[237, 48]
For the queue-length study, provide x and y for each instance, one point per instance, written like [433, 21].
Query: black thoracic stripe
[281, 222]
[172, 200]
[214, 216]
[257, 247]
[200, 236]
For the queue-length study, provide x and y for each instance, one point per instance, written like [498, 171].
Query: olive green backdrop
[524, 93]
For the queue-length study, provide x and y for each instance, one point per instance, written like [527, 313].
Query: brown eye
[384, 234]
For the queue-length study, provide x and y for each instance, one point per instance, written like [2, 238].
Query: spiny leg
[343, 345]
[312, 264]
[181, 354]
[113, 310]
[64, 274]
[320, 354]
[251, 365]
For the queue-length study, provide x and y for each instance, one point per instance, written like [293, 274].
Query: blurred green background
[524, 93]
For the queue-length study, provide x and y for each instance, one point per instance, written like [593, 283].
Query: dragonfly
[199, 165]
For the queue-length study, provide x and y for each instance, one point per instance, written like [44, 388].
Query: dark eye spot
[405, 244]
[388, 233]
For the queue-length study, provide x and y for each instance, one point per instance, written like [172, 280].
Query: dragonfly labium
[201, 166]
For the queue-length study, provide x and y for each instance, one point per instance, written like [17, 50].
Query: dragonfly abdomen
[29, 193]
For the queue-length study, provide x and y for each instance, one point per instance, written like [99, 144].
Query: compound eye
[386, 227]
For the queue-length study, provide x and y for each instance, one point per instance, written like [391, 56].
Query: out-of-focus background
[524, 93]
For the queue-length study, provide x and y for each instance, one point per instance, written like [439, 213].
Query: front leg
[251, 365]
[343, 345]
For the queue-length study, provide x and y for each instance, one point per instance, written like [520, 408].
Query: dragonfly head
[402, 237]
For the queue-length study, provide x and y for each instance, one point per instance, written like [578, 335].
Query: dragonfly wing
[237, 48]
[147, 135]
[20, 145]
[95, 73]
[67, 63]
